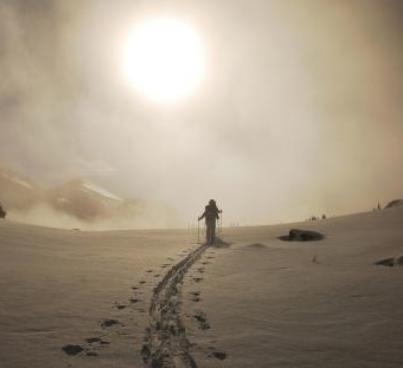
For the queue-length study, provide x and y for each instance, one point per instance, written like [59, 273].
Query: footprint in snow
[92, 340]
[109, 323]
[201, 318]
[218, 354]
[71, 349]
[120, 306]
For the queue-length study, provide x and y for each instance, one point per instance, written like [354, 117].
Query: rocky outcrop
[391, 261]
[394, 203]
[302, 235]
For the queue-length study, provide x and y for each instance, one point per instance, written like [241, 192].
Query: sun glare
[164, 59]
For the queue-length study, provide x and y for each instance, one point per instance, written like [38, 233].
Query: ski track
[165, 342]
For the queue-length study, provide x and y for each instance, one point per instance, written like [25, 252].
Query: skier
[2, 212]
[210, 215]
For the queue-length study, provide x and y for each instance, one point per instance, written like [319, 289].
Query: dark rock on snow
[302, 235]
[395, 203]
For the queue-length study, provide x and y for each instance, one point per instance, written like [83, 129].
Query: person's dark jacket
[210, 213]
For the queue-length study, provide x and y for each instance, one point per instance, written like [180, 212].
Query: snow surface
[259, 302]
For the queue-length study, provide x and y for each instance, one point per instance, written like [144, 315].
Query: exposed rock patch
[302, 235]
[394, 203]
[391, 261]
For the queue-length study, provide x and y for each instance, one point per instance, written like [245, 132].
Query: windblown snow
[101, 191]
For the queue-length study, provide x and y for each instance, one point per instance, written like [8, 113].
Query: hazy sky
[300, 111]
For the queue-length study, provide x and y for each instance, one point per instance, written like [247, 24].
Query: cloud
[300, 111]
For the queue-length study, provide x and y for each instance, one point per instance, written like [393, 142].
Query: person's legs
[210, 232]
[212, 238]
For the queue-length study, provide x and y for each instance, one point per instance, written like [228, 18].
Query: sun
[164, 59]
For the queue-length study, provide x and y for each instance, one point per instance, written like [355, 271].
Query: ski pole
[220, 225]
[198, 232]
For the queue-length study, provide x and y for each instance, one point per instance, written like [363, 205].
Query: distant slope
[79, 203]
[17, 192]
[83, 200]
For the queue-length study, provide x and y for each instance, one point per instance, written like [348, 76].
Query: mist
[300, 111]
